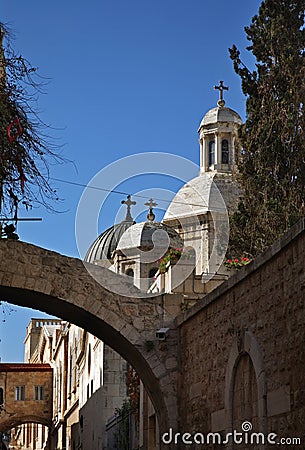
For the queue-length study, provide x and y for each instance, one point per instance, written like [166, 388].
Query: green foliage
[172, 255]
[25, 150]
[272, 156]
[128, 414]
[122, 435]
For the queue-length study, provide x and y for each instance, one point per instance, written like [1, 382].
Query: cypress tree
[271, 161]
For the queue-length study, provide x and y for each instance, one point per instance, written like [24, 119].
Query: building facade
[88, 384]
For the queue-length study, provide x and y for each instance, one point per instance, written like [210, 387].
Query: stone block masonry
[242, 348]
[26, 394]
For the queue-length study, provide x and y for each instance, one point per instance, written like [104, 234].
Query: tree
[25, 150]
[271, 162]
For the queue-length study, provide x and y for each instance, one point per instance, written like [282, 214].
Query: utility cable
[114, 191]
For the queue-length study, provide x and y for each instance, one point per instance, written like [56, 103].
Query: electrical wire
[114, 191]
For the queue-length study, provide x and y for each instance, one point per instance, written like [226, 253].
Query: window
[211, 152]
[151, 275]
[129, 272]
[224, 151]
[20, 393]
[39, 393]
[1, 397]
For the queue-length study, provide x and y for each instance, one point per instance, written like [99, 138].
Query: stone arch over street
[29, 418]
[59, 285]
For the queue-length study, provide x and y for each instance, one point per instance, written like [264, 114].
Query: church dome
[149, 235]
[106, 243]
[192, 199]
[220, 114]
[207, 192]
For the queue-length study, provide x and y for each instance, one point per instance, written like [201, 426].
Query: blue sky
[125, 77]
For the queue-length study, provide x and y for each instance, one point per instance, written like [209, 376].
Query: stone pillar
[217, 157]
[203, 154]
[231, 152]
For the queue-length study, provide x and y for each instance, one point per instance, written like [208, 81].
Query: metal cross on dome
[151, 204]
[128, 203]
[221, 88]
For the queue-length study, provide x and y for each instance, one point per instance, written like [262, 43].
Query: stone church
[196, 221]
[189, 225]
[240, 337]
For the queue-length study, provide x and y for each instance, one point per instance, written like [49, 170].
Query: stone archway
[12, 422]
[59, 285]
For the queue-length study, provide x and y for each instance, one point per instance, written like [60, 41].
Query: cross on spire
[128, 203]
[151, 204]
[221, 88]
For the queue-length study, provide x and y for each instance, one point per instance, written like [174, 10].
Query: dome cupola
[217, 136]
[101, 251]
[141, 247]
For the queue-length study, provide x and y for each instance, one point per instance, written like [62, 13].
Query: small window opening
[211, 152]
[224, 151]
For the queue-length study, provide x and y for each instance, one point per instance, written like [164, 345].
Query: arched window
[211, 152]
[224, 151]
[129, 272]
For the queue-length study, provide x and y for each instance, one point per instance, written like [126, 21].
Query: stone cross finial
[150, 216]
[128, 203]
[221, 88]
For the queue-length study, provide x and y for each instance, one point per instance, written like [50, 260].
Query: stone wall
[242, 348]
[27, 409]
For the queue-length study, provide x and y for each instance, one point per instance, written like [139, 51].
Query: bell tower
[217, 136]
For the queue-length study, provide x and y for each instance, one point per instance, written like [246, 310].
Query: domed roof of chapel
[149, 235]
[129, 235]
[196, 197]
[106, 243]
[208, 192]
[220, 114]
